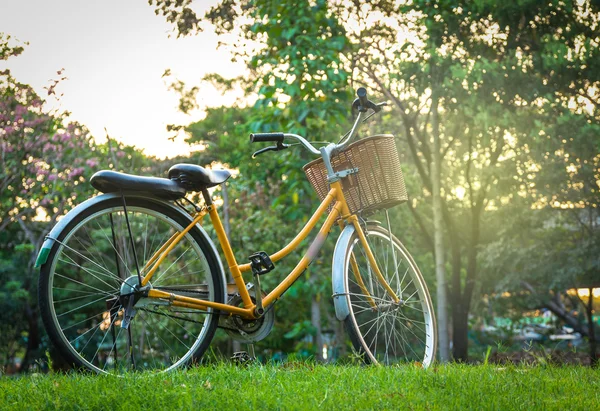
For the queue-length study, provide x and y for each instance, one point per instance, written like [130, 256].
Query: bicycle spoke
[87, 270]
[173, 263]
[114, 247]
[114, 346]
[86, 285]
[81, 306]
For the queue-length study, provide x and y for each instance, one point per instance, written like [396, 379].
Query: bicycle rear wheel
[92, 264]
[381, 331]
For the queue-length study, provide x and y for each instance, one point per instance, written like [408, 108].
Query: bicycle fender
[340, 302]
[61, 225]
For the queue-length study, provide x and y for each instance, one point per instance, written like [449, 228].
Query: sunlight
[585, 292]
[460, 192]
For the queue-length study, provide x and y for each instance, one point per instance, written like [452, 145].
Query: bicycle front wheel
[383, 331]
[93, 264]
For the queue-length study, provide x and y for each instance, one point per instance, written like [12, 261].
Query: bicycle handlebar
[362, 103]
[266, 137]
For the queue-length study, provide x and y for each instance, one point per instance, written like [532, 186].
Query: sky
[114, 54]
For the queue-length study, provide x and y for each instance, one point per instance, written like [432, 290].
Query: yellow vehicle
[130, 279]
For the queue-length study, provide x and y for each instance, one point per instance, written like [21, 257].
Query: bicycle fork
[373, 268]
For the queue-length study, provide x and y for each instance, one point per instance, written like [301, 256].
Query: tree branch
[408, 126]
[559, 311]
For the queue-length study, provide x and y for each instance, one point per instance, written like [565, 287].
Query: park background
[511, 90]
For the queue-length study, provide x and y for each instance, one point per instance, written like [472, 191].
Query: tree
[493, 69]
[42, 167]
[45, 163]
[553, 243]
[496, 66]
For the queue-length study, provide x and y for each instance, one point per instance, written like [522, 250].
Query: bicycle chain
[184, 290]
[187, 319]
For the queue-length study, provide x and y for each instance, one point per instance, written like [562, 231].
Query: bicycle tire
[86, 269]
[382, 332]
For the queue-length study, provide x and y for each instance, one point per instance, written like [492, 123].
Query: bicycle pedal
[261, 263]
[242, 358]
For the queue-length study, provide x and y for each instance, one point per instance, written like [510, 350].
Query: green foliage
[299, 62]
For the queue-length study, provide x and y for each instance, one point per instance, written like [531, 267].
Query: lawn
[298, 386]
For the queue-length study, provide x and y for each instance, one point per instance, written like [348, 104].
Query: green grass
[306, 386]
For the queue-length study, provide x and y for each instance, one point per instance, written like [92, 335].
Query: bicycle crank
[248, 330]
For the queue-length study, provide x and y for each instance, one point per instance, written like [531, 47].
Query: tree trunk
[338, 344]
[460, 330]
[315, 319]
[592, 331]
[33, 337]
[440, 252]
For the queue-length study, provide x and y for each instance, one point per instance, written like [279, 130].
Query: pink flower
[120, 154]
[76, 172]
[91, 162]
[52, 177]
[20, 110]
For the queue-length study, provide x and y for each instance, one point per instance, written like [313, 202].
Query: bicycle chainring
[248, 331]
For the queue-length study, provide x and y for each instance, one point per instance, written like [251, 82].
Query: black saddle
[182, 178]
[196, 178]
[108, 181]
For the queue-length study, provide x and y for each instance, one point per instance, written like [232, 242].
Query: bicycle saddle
[196, 178]
[108, 181]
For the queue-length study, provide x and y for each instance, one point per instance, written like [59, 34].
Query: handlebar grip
[362, 97]
[266, 137]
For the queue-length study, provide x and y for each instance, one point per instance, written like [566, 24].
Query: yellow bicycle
[130, 279]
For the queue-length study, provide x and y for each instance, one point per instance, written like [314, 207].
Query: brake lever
[379, 106]
[376, 107]
[278, 147]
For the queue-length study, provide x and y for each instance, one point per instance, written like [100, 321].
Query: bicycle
[129, 279]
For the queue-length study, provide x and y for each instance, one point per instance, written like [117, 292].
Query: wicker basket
[379, 183]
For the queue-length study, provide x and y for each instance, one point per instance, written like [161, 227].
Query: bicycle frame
[340, 209]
